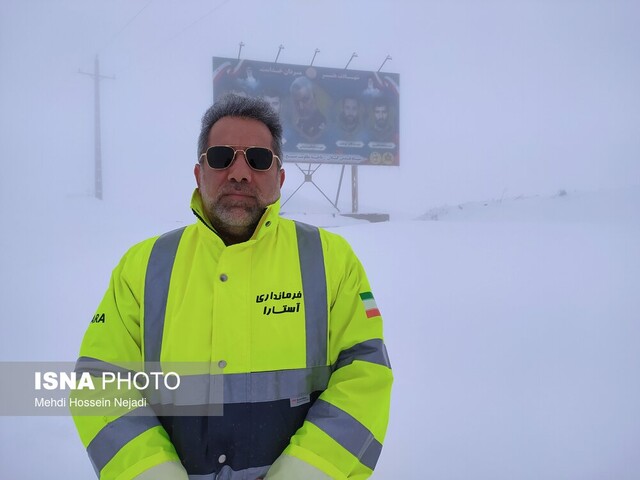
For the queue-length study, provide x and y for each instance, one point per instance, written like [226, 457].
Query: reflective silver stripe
[117, 434]
[347, 431]
[314, 289]
[243, 387]
[227, 473]
[276, 385]
[372, 351]
[156, 291]
[97, 367]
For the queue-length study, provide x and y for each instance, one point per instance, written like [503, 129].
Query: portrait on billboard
[329, 115]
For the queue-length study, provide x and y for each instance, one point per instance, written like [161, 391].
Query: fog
[497, 98]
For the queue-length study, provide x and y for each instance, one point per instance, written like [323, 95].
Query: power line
[170, 39]
[115, 35]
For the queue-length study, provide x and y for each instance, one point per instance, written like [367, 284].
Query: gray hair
[243, 107]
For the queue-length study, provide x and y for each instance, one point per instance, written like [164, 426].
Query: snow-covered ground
[513, 330]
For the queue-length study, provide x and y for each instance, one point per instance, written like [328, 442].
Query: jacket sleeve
[122, 443]
[343, 432]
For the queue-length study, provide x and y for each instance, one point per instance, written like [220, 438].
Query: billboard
[329, 115]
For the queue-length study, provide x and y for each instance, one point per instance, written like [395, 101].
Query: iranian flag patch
[371, 309]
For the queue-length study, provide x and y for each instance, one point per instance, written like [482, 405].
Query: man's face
[274, 102]
[380, 116]
[304, 102]
[238, 195]
[350, 111]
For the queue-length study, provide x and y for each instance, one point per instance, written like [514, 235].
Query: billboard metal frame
[329, 115]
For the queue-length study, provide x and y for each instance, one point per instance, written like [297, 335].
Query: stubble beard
[235, 218]
[234, 213]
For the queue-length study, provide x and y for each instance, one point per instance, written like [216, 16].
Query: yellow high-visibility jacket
[289, 319]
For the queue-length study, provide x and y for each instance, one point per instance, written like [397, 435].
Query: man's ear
[196, 173]
[282, 175]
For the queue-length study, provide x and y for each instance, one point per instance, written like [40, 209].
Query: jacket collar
[267, 223]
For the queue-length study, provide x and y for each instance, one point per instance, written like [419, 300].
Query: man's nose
[239, 170]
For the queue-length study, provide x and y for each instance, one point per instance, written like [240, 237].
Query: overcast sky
[498, 98]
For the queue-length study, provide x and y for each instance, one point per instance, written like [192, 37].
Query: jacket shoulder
[137, 256]
[335, 245]
[332, 243]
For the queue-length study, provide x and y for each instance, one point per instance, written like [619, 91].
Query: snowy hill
[512, 328]
[603, 206]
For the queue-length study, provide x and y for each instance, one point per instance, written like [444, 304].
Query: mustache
[236, 188]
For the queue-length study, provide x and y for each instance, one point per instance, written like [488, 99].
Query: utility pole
[97, 136]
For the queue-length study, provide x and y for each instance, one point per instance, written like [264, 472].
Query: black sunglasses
[220, 157]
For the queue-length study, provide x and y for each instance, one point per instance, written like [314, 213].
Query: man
[382, 127]
[282, 309]
[309, 122]
[274, 99]
[349, 119]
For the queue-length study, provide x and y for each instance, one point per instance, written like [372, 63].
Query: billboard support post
[339, 184]
[308, 178]
[354, 189]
